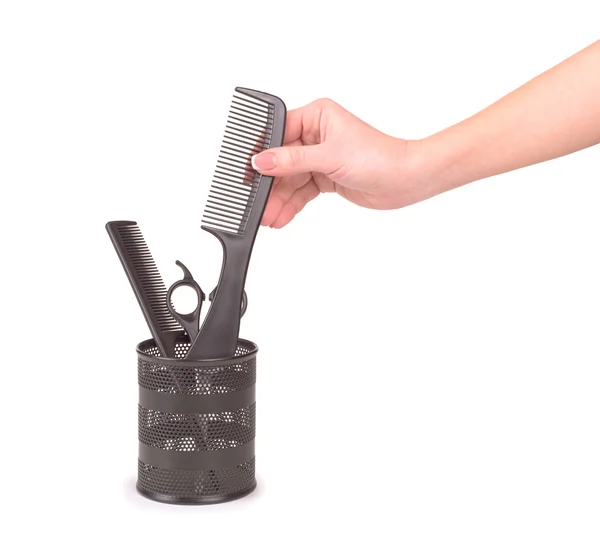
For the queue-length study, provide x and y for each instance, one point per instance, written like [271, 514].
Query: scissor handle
[190, 322]
[211, 295]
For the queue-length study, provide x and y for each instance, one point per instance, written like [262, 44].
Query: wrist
[428, 167]
[455, 156]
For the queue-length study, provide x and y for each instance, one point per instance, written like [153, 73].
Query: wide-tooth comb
[234, 208]
[146, 282]
[233, 192]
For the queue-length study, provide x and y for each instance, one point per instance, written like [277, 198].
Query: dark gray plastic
[190, 322]
[233, 212]
[146, 282]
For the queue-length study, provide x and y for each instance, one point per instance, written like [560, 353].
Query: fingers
[304, 123]
[294, 125]
[282, 191]
[303, 127]
[295, 204]
[272, 210]
[292, 160]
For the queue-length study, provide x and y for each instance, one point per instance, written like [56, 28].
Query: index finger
[293, 125]
[303, 124]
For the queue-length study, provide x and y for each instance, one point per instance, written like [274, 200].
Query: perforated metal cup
[196, 425]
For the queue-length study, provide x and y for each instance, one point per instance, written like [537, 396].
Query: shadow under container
[196, 425]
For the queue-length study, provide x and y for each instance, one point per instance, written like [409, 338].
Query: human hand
[328, 149]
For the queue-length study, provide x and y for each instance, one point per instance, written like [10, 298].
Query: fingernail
[264, 160]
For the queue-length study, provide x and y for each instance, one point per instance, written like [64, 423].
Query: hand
[327, 149]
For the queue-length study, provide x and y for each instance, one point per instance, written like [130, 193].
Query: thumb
[283, 161]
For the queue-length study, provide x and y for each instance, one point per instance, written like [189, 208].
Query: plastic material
[146, 282]
[191, 321]
[233, 211]
[196, 425]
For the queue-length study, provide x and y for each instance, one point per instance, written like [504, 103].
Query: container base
[157, 497]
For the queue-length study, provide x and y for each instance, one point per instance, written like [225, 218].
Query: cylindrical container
[196, 425]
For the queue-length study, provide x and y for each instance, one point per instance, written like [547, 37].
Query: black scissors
[191, 321]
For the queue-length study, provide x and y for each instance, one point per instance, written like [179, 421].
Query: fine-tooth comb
[235, 205]
[146, 282]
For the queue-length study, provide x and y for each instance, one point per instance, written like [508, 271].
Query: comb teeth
[231, 196]
[148, 275]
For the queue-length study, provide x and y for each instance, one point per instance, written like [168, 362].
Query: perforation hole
[196, 484]
[196, 431]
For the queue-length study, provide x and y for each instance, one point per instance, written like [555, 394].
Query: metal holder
[196, 424]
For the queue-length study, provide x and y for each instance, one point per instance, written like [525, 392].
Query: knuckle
[296, 157]
[324, 103]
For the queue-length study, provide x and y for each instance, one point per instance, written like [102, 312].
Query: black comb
[146, 282]
[233, 211]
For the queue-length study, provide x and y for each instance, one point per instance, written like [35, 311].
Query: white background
[428, 377]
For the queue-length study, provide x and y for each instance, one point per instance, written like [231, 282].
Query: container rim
[149, 343]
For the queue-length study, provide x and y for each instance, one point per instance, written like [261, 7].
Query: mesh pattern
[196, 484]
[196, 380]
[176, 432]
[182, 347]
[196, 431]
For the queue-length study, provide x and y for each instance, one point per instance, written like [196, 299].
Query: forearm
[552, 115]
